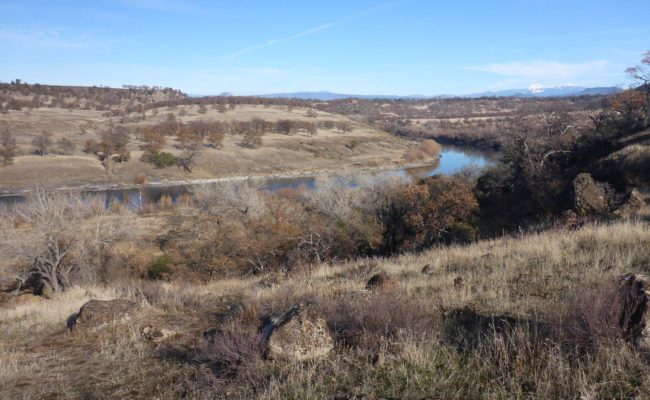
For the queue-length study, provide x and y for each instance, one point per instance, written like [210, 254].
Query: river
[453, 159]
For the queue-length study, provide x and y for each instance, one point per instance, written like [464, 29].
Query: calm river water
[452, 160]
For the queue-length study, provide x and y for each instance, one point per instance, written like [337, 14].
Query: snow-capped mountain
[538, 90]
[534, 90]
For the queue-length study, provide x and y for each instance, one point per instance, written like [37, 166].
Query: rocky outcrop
[294, 335]
[631, 308]
[154, 333]
[591, 197]
[427, 269]
[98, 312]
[631, 204]
[381, 282]
[33, 284]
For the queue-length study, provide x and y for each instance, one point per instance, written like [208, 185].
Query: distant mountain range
[532, 91]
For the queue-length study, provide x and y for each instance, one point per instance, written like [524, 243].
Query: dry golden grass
[527, 277]
[328, 150]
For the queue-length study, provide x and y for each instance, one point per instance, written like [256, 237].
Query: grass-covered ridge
[403, 347]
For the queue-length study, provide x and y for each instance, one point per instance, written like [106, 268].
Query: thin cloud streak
[55, 38]
[236, 54]
[272, 42]
[168, 6]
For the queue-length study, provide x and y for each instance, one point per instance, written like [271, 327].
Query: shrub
[140, 180]
[415, 154]
[162, 159]
[439, 209]
[235, 356]
[431, 147]
[160, 268]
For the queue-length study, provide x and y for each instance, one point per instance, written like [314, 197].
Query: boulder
[631, 204]
[458, 283]
[155, 333]
[631, 308]
[32, 284]
[591, 197]
[10, 285]
[293, 335]
[381, 282]
[97, 312]
[427, 269]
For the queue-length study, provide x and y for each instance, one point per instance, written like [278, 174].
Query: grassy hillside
[398, 342]
[331, 149]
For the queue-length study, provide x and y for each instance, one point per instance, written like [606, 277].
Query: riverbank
[451, 160]
[279, 153]
[90, 188]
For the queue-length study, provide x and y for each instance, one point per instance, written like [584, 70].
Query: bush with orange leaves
[439, 209]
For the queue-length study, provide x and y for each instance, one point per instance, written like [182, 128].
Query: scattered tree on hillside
[188, 139]
[557, 123]
[42, 143]
[64, 247]
[66, 146]
[215, 138]
[286, 126]
[344, 126]
[312, 128]
[641, 73]
[438, 209]
[630, 103]
[187, 160]
[153, 140]
[8, 146]
[170, 126]
[252, 139]
[599, 113]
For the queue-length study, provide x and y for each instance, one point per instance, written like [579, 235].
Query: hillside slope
[404, 349]
[329, 149]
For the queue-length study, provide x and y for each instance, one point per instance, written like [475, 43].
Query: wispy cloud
[48, 37]
[544, 70]
[161, 5]
[272, 42]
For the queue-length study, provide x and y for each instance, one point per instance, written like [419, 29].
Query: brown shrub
[439, 209]
[140, 180]
[232, 356]
[415, 154]
[610, 311]
[431, 147]
[165, 203]
[364, 321]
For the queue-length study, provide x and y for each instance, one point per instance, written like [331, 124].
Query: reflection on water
[453, 159]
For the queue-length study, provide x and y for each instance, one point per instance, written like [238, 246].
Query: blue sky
[361, 47]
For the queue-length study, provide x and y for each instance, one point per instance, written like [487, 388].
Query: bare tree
[238, 197]
[641, 73]
[64, 240]
[153, 140]
[344, 126]
[557, 123]
[187, 160]
[215, 138]
[42, 143]
[66, 146]
[252, 139]
[599, 113]
[8, 146]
